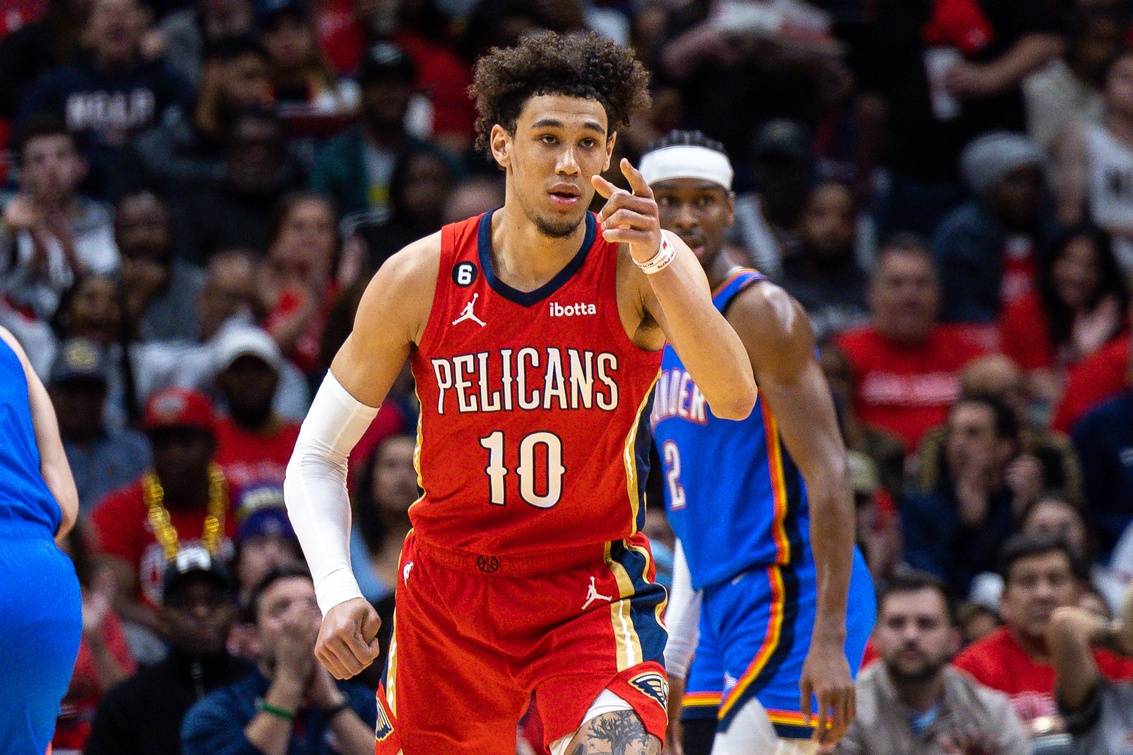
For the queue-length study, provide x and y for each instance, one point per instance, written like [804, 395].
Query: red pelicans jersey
[534, 420]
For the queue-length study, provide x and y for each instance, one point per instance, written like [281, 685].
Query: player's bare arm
[780, 343]
[391, 319]
[675, 302]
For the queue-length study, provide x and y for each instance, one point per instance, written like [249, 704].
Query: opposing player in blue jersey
[762, 507]
[40, 608]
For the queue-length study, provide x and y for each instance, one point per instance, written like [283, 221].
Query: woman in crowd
[1080, 305]
[297, 283]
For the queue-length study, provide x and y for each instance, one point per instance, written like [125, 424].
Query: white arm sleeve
[315, 489]
[682, 617]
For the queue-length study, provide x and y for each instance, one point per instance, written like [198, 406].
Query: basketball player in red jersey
[535, 334]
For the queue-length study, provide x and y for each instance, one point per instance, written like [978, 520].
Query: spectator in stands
[102, 458]
[93, 309]
[113, 95]
[1104, 440]
[192, 32]
[356, 168]
[1040, 574]
[37, 47]
[297, 282]
[1053, 515]
[143, 715]
[184, 500]
[51, 235]
[824, 275]
[237, 212]
[253, 443]
[289, 702]
[187, 149]
[737, 71]
[161, 289]
[767, 219]
[104, 657]
[1096, 709]
[301, 74]
[1094, 164]
[429, 37]
[913, 701]
[229, 293]
[933, 77]
[418, 188]
[1078, 306]
[1094, 380]
[264, 539]
[386, 489]
[1070, 89]
[955, 530]
[1046, 459]
[987, 249]
[906, 365]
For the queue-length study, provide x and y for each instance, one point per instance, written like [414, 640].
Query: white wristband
[661, 260]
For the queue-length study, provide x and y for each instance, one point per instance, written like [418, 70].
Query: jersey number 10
[497, 470]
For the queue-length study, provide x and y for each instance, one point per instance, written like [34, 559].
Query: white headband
[684, 161]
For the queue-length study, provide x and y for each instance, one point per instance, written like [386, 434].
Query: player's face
[913, 635]
[698, 211]
[559, 144]
[1035, 586]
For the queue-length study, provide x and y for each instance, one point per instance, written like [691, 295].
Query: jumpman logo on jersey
[592, 595]
[468, 314]
[405, 572]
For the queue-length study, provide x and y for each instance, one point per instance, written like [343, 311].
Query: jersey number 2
[673, 475]
[528, 447]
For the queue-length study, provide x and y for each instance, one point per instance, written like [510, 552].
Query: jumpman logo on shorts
[592, 595]
[468, 314]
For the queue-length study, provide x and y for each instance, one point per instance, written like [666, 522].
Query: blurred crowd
[195, 193]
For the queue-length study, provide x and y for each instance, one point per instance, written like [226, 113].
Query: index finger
[636, 180]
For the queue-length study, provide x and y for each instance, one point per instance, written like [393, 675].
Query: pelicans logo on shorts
[653, 685]
[384, 728]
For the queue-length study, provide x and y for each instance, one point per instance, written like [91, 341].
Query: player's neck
[524, 257]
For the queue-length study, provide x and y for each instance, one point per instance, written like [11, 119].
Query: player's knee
[614, 732]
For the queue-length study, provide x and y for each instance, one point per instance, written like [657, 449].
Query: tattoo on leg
[617, 733]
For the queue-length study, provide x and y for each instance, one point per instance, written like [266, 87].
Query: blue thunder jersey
[25, 500]
[735, 498]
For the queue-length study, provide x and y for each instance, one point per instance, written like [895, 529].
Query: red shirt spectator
[1000, 662]
[907, 389]
[125, 532]
[1092, 381]
[906, 365]
[185, 489]
[248, 456]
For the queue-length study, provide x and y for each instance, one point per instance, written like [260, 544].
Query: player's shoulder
[420, 258]
[765, 311]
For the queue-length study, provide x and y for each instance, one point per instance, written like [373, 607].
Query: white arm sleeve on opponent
[682, 617]
[315, 489]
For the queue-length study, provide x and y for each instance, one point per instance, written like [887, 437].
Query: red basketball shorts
[476, 636]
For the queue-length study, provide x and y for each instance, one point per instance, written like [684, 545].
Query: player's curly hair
[577, 65]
